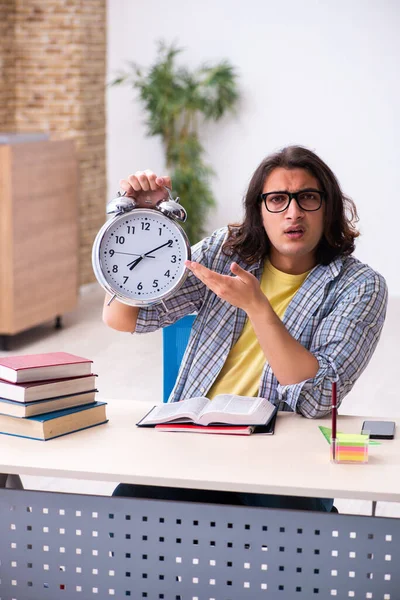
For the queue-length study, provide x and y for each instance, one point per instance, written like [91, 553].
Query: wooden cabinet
[38, 233]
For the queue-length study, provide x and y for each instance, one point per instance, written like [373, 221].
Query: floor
[131, 367]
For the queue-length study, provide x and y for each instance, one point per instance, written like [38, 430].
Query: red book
[37, 367]
[50, 388]
[224, 429]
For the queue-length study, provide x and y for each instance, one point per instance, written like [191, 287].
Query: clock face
[140, 256]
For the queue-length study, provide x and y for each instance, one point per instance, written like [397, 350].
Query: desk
[153, 549]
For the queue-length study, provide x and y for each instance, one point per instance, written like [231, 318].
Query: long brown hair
[249, 239]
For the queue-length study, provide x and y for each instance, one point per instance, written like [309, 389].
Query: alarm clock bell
[168, 206]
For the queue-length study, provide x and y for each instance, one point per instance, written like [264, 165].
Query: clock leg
[4, 342]
[58, 322]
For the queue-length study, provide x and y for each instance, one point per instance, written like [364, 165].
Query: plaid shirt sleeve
[189, 298]
[343, 344]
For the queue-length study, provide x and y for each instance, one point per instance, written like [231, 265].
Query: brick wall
[52, 79]
[7, 65]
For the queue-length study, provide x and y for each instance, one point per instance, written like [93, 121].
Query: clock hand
[131, 254]
[158, 248]
[134, 263]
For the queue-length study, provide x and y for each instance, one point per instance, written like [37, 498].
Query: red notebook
[224, 429]
[268, 429]
[37, 367]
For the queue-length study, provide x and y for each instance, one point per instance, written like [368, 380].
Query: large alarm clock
[139, 255]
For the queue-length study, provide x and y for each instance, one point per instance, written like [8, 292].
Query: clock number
[125, 279]
[139, 286]
[119, 239]
[155, 283]
[115, 269]
[131, 229]
[160, 230]
[173, 258]
[167, 273]
[111, 252]
[170, 243]
[145, 226]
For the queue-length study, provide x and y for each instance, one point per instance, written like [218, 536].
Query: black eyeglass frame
[292, 196]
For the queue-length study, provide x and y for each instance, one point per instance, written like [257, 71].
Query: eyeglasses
[307, 200]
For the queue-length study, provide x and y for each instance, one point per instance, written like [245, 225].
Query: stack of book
[43, 396]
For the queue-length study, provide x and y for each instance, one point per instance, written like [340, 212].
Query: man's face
[294, 233]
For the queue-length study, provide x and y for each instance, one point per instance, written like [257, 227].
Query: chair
[175, 339]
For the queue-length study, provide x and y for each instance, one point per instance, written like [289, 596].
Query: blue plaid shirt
[337, 314]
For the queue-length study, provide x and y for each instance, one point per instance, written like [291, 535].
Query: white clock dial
[141, 255]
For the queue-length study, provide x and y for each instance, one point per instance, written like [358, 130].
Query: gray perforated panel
[66, 546]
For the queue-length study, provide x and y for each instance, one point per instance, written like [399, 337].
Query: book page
[243, 410]
[229, 403]
[176, 411]
[232, 404]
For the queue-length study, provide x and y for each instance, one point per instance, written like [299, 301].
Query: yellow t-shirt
[243, 368]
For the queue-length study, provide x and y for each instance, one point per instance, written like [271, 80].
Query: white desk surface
[294, 461]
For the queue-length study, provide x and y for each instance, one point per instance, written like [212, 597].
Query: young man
[283, 309]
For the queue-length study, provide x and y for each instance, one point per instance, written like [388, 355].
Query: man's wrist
[261, 307]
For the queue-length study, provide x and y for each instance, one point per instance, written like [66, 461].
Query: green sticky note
[352, 438]
[326, 432]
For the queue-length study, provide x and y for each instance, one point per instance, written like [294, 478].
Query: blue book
[54, 424]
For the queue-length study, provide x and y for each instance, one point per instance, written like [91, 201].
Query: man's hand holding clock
[139, 255]
[141, 185]
[145, 185]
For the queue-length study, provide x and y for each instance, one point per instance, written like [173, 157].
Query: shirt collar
[328, 272]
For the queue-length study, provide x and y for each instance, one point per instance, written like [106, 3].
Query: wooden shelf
[38, 233]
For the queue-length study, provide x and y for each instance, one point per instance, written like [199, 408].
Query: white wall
[321, 73]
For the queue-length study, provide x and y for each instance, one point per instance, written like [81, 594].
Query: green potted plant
[177, 101]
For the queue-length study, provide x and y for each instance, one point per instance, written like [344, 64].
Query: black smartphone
[379, 430]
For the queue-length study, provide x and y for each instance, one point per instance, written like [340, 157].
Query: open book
[225, 409]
